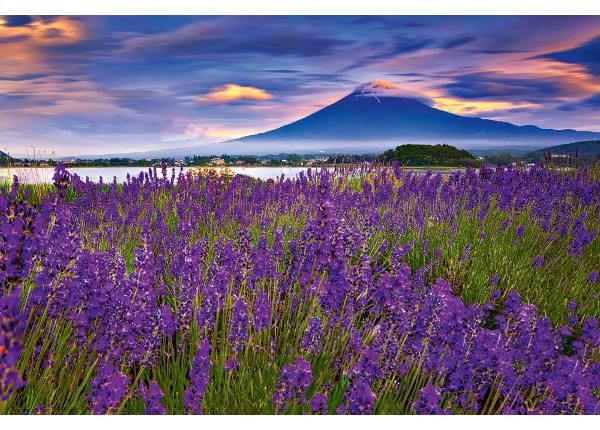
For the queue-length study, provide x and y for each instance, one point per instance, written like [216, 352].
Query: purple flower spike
[239, 324]
[108, 389]
[367, 367]
[520, 231]
[359, 398]
[199, 378]
[494, 279]
[152, 396]
[231, 365]
[12, 326]
[318, 404]
[538, 262]
[262, 312]
[294, 381]
[428, 402]
[466, 252]
[311, 342]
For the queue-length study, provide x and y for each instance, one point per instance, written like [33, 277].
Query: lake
[44, 174]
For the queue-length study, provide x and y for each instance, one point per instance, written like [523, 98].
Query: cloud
[38, 104]
[16, 20]
[26, 46]
[210, 133]
[378, 83]
[234, 36]
[384, 88]
[231, 92]
[531, 88]
[592, 103]
[477, 107]
[59, 95]
[587, 55]
[40, 31]
[383, 50]
[457, 42]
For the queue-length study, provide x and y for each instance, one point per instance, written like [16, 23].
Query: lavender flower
[466, 252]
[239, 324]
[367, 367]
[293, 383]
[520, 231]
[538, 261]
[494, 280]
[428, 401]
[129, 270]
[359, 399]
[262, 312]
[12, 326]
[311, 342]
[199, 378]
[318, 404]
[151, 396]
[231, 365]
[109, 387]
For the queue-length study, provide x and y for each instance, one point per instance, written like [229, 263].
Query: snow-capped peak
[382, 88]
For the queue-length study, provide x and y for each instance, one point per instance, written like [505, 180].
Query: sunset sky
[100, 85]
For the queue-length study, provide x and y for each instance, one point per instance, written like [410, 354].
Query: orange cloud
[381, 83]
[59, 31]
[232, 92]
[23, 47]
[572, 82]
[474, 107]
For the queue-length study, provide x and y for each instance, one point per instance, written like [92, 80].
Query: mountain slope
[5, 159]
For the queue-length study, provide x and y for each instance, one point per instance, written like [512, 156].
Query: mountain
[374, 118]
[5, 159]
[586, 149]
[378, 115]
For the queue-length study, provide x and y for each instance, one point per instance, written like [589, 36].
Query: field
[363, 290]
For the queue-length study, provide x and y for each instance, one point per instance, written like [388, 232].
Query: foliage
[429, 155]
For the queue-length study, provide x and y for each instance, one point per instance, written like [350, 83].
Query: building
[217, 161]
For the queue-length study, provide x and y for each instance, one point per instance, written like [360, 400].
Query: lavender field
[358, 290]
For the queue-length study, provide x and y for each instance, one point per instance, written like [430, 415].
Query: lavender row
[330, 281]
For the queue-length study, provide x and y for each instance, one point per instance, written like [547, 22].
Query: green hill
[429, 155]
[585, 149]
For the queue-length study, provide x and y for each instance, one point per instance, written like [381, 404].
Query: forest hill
[430, 155]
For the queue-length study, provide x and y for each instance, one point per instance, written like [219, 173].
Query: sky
[115, 84]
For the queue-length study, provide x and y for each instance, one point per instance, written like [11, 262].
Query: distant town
[291, 160]
[573, 154]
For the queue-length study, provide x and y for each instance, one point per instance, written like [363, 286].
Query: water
[44, 174]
